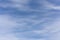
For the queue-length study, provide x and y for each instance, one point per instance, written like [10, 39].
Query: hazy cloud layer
[29, 20]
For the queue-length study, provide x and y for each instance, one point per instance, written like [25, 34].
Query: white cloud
[6, 21]
[49, 5]
[8, 37]
[55, 30]
[52, 30]
[18, 4]
[21, 5]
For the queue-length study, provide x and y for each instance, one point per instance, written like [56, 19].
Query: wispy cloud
[50, 5]
[29, 28]
[8, 25]
[36, 25]
[19, 4]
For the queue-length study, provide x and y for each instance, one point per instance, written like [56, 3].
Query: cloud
[50, 5]
[7, 37]
[17, 4]
[22, 5]
[37, 26]
[54, 30]
[31, 27]
[8, 24]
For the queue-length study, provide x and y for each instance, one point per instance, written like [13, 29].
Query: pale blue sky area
[29, 19]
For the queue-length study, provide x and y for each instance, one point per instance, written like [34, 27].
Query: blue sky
[29, 19]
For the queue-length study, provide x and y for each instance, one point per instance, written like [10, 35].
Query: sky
[29, 19]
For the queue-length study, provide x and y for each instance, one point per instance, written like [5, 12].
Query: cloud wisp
[30, 26]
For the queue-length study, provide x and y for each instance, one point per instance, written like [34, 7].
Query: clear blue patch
[33, 4]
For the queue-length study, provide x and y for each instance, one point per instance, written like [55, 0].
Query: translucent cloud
[50, 5]
[18, 4]
[29, 28]
[54, 30]
[7, 37]
[22, 5]
[37, 26]
[8, 24]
